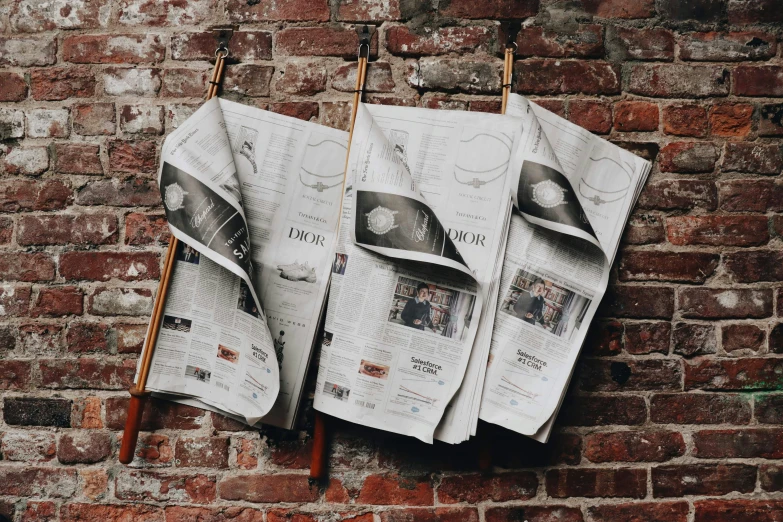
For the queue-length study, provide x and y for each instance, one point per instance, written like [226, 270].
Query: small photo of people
[177, 323]
[543, 304]
[228, 354]
[371, 369]
[340, 260]
[199, 374]
[279, 343]
[327, 340]
[187, 253]
[335, 390]
[432, 308]
[246, 303]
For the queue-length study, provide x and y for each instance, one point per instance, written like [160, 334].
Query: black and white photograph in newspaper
[177, 324]
[199, 374]
[544, 304]
[336, 391]
[431, 308]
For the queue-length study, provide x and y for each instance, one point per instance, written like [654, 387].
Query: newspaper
[243, 307]
[425, 218]
[574, 194]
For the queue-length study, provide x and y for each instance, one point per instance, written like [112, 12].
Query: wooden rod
[139, 393]
[508, 73]
[318, 463]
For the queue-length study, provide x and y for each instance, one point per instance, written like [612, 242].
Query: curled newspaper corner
[214, 344]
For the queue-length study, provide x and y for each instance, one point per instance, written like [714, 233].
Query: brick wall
[673, 415]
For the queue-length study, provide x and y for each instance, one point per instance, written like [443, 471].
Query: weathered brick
[753, 11]
[61, 83]
[644, 229]
[699, 408]
[132, 193]
[741, 337]
[103, 266]
[27, 161]
[6, 230]
[440, 514]
[678, 81]
[13, 87]
[644, 338]
[248, 80]
[38, 482]
[638, 302]
[133, 156]
[737, 510]
[727, 47]
[77, 158]
[379, 78]
[753, 266]
[320, 41]
[593, 115]
[58, 301]
[28, 411]
[30, 16]
[579, 41]
[490, 9]
[702, 479]
[771, 477]
[41, 339]
[48, 123]
[291, 11]
[651, 265]
[679, 194]
[114, 48]
[724, 303]
[621, 482]
[566, 77]
[15, 300]
[691, 339]
[28, 267]
[753, 157]
[369, 10]
[87, 337]
[119, 81]
[771, 120]
[220, 514]
[717, 230]
[121, 512]
[766, 80]
[18, 51]
[162, 487]
[688, 157]
[532, 514]
[164, 12]
[94, 119]
[645, 511]
[635, 116]
[141, 119]
[16, 375]
[120, 301]
[246, 46]
[206, 452]
[394, 489]
[143, 229]
[427, 41]
[751, 195]
[29, 446]
[744, 443]
[303, 78]
[183, 83]
[497, 488]
[630, 375]
[625, 43]
[768, 408]
[83, 447]
[268, 488]
[734, 374]
[158, 414]
[685, 120]
[87, 373]
[307, 111]
[130, 337]
[634, 446]
[476, 77]
[79, 229]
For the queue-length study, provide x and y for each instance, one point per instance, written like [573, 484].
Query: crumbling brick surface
[675, 411]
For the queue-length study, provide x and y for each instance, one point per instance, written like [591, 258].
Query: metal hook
[512, 30]
[365, 33]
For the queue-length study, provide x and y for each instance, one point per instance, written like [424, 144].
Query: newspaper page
[214, 341]
[288, 178]
[424, 218]
[574, 194]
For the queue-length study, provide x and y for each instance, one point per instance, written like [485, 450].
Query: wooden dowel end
[319, 458]
[132, 425]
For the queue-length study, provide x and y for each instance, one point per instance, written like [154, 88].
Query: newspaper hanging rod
[138, 392]
[318, 464]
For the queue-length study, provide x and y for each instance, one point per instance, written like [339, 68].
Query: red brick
[58, 301]
[62, 229]
[153, 450]
[692, 339]
[44, 511]
[13, 87]
[220, 514]
[38, 482]
[771, 478]
[717, 230]
[742, 337]
[764, 80]
[41, 338]
[130, 337]
[738, 510]
[678, 81]
[731, 120]
[603, 410]
[593, 115]
[183, 83]
[734, 374]
[753, 266]
[396, 490]
[579, 41]
[497, 488]
[475, 77]
[302, 78]
[248, 80]
[745, 443]
[158, 414]
[246, 46]
[20, 266]
[6, 230]
[624, 43]
[697, 408]
[621, 482]
[307, 111]
[490, 9]
[28, 161]
[94, 119]
[441, 514]
[202, 452]
[638, 512]
[679, 194]
[223, 423]
[551, 104]
[123, 81]
[634, 116]
[18, 51]
[728, 303]
[685, 120]
[144, 229]
[604, 338]
[644, 338]
[15, 375]
[702, 479]
[751, 195]
[752, 157]
[165, 487]
[23, 411]
[84, 447]
[644, 229]
[620, 8]
[103, 266]
[771, 120]
[634, 446]
[61, 83]
[289, 454]
[247, 453]
[751, 12]
[268, 488]
[320, 41]
[291, 11]
[727, 47]
[87, 413]
[95, 481]
[87, 373]
[369, 10]
[165, 12]
[638, 302]
[688, 157]
[379, 78]
[443, 40]
[28, 16]
[650, 265]
[114, 48]
[133, 193]
[133, 157]
[119, 513]
[566, 77]
[630, 375]
[77, 158]
[48, 123]
[87, 337]
[120, 301]
[141, 119]
[768, 408]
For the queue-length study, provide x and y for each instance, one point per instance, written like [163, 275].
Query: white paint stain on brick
[727, 299]
[141, 82]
